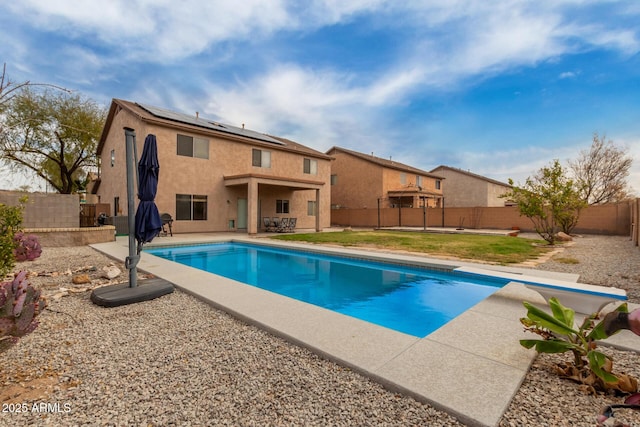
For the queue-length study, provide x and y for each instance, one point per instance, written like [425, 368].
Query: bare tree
[601, 172]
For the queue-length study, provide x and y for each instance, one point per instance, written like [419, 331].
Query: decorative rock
[563, 237]
[80, 279]
[110, 272]
[63, 292]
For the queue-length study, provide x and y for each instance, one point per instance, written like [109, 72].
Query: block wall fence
[62, 211]
[46, 210]
[55, 219]
[612, 219]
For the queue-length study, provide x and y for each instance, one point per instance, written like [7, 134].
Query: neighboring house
[361, 180]
[466, 189]
[216, 177]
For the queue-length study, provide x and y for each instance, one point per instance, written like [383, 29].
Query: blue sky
[500, 88]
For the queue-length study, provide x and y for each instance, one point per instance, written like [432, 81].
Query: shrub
[559, 334]
[20, 303]
[10, 222]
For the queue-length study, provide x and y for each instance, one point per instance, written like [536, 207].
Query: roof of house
[471, 174]
[196, 124]
[387, 163]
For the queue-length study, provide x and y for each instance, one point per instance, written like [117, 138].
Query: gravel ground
[177, 361]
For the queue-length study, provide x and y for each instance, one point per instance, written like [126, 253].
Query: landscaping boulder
[110, 272]
[563, 237]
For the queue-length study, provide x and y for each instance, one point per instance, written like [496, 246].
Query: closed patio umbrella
[148, 222]
[143, 228]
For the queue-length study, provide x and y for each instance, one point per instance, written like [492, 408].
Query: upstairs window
[310, 166]
[437, 184]
[418, 181]
[261, 158]
[403, 178]
[190, 146]
[334, 179]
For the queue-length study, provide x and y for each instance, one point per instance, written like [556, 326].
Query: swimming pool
[412, 300]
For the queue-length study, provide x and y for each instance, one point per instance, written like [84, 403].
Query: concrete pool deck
[470, 368]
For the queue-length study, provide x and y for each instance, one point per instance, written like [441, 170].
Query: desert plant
[559, 334]
[27, 247]
[20, 304]
[10, 222]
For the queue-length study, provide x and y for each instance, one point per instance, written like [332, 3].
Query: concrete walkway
[471, 367]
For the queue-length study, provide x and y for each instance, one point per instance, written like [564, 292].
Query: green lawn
[494, 249]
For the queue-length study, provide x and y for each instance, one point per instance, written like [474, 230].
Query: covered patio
[255, 185]
[414, 198]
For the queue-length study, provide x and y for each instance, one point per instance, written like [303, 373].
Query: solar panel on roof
[204, 123]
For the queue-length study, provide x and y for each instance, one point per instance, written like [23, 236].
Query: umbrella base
[123, 294]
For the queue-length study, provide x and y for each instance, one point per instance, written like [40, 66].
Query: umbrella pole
[148, 289]
[132, 260]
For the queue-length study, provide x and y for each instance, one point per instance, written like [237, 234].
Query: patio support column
[252, 206]
[318, 210]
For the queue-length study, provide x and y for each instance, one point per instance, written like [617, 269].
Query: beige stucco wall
[462, 190]
[359, 183]
[195, 176]
[392, 181]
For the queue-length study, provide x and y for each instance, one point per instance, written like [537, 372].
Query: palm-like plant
[559, 334]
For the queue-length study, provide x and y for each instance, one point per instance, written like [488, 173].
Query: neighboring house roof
[387, 163]
[474, 175]
[195, 123]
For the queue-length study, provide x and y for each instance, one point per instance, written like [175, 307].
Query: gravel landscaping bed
[177, 361]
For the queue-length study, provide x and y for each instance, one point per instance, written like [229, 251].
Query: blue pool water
[412, 300]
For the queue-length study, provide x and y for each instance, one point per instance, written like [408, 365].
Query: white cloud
[477, 34]
[292, 102]
[567, 75]
[517, 164]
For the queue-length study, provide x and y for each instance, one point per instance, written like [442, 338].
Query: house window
[403, 178]
[190, 146]
[310, 166]
[437, 184]
[334, 179]
[282, 206]
[116, 206]
[191, 207]
[311, 208]
[113, 157]
[261, 158]
[418, 181]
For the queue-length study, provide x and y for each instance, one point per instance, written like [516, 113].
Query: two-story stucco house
[466, 189]
[216, 177]
[361, 180]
